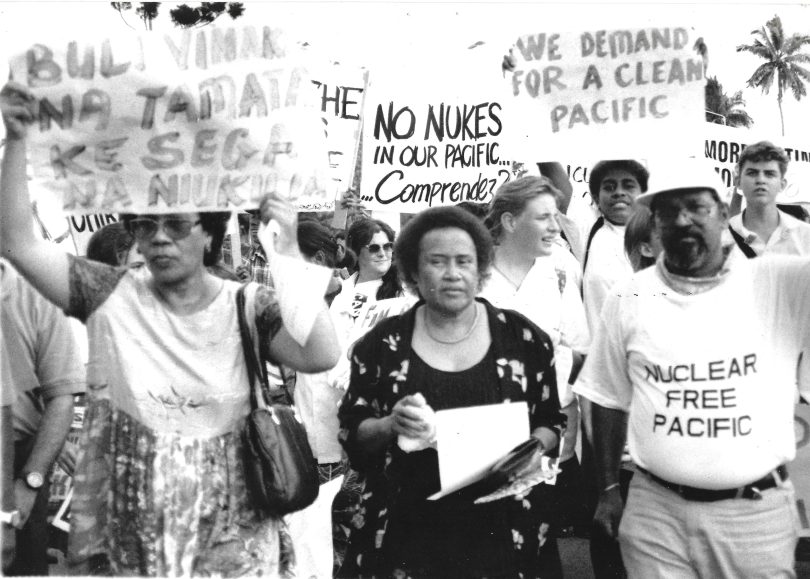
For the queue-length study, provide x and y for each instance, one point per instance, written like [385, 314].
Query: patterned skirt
[154, 504]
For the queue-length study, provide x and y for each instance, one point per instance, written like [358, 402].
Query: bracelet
[610, 487]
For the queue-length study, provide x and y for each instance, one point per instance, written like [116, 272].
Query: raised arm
[321, 350]
[319, 353]
[42, 263]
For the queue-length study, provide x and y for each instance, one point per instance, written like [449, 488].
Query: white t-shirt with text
[708, 378]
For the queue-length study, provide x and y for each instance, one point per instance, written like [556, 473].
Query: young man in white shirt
[614, 187]
[762, 228]
[703, 395]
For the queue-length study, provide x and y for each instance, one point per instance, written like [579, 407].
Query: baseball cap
[678, 174]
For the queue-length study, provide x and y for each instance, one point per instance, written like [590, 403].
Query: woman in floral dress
[159, 485]
[450, 350]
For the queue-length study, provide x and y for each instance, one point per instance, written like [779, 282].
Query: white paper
[300, 286]
[470, 440]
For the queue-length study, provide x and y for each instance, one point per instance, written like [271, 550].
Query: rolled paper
[300, 286]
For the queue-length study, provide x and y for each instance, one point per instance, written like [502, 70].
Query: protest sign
[208, 119]
[587, 92]
[340, 91]
[82, 228]
[723, 146]
[433, 142]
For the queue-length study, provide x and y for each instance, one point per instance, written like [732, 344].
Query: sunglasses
[144, 228]
[376, 247]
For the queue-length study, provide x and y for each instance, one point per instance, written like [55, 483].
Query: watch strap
[10, 517]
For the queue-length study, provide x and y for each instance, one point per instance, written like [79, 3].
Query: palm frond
[777, 34]
[763, 77]
[757, 49]
[794, 43]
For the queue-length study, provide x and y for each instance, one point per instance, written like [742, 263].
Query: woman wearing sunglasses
[372, 241]
[159, 485]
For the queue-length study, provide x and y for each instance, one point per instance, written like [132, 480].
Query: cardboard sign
[588, 92]
[341, 91]
[723, 146]
[196, 120]
[434, 142]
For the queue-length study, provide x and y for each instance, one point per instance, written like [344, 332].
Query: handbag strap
[256, 366]
[744, 247]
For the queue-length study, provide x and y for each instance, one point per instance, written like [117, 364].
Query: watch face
[34, 480]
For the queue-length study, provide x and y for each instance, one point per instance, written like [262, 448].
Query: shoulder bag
[281, 473]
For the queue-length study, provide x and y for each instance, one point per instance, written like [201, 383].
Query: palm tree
[783, 58]
[724, 109]
[183, 15]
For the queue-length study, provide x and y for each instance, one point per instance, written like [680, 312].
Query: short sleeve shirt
[701, 381]
[791, 236]
[41, 355]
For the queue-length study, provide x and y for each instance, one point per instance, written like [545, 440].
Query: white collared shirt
[791, 236]
[607, 265]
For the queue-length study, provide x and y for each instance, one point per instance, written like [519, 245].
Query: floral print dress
[518, 367]
[159, 487]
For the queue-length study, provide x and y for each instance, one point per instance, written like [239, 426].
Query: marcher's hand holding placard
[18, 106]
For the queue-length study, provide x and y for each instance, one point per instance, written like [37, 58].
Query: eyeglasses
[376, 247]
[144, 228]
[695, 212]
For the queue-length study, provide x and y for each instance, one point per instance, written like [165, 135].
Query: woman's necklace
[466, 335]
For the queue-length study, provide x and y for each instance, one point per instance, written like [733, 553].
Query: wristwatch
[10, 517]
[34, 480]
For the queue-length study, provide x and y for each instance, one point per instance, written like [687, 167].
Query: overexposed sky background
[425, 34]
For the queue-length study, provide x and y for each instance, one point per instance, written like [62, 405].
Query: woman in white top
[372, 241]
[536, 276]
[159, 484]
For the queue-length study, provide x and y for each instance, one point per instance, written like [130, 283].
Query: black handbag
[281, 473]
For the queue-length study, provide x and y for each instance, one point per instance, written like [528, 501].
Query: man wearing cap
[614, 187]
[762, 228]
[703, 395]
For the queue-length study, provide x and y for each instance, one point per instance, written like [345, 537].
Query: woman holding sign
[159, 485]
[449, 351]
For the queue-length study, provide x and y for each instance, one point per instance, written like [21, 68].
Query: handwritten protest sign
[590, 91]
[723, 146]
[433, 142]
[82, 228]
[340, 90]
[199, 120]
